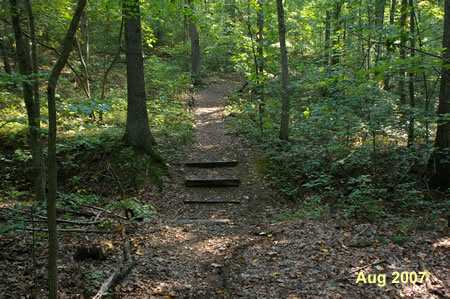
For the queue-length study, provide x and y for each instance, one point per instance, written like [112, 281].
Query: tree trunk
[195, 48]
[31, 98]
[51, 204]
[4, 52]
[439, 162]
[284, 128]
[379, 12]
[327, 36]
[386, 85]
[401, 84]
[4, 43]
[335, 53]
[260, 65]
[137, 133]
[412, 100]
[84, 30]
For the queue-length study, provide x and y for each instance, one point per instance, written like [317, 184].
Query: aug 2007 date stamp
[397, 277]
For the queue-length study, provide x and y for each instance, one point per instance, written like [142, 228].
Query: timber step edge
[211, 164]
[213, 182]
[202, 221]
[211, 201]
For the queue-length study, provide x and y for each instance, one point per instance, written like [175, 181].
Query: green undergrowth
[347, 154]
[90, 151]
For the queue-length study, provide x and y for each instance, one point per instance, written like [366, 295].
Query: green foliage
[92, 278]
[345, 148]
[309, 208]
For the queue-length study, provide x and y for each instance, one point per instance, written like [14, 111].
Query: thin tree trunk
[84, 30]
[137, 132]
[284, 127]
[386, 84]
[4, 43]
[195, 48]
[401, 84]
[327, 36]
[260, 83]
[4, 52]
[380, 4]
[439, 161]
[335, 52]
[51, 204]
[31, 98]
[106, 73]
[412, 100]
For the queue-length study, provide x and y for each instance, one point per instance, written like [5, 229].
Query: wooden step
[211, 201]
[202, 221]
[211, 164]
[214, 182]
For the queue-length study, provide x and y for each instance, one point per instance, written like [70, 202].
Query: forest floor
[245, 252]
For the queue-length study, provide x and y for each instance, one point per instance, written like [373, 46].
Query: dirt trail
[251, 258]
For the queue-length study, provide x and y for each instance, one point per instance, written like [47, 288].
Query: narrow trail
[186, 255]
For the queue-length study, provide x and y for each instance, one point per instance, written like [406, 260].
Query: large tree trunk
[439, 162]
[195, 48]
[51, 204]
[137, 133]
[284, 127]
[31, 98]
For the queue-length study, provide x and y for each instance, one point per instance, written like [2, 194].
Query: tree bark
[260, 66]
[335, 53]
[386, 84]
[4, 52]
[284, 127]
[403, 38]
[195, 48]
[327, 36]
[439, 162]
[31, 98]
[52, 171]
[137, 132]
[4, 43]
[412, 100]
[84, 30]
[379, 20]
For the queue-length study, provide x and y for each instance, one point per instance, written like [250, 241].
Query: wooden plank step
[211, 164]
[214, 182]
[211, 201]
[202, 221]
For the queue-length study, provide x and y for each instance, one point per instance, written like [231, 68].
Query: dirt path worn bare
[184, 256]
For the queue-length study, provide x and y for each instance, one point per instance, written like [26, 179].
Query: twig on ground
[104, 210]
[72, 230]
[124, 267]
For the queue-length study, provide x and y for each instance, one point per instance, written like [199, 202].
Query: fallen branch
[122, 270]
[71, 230]
[59, 220]
[104, 210]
